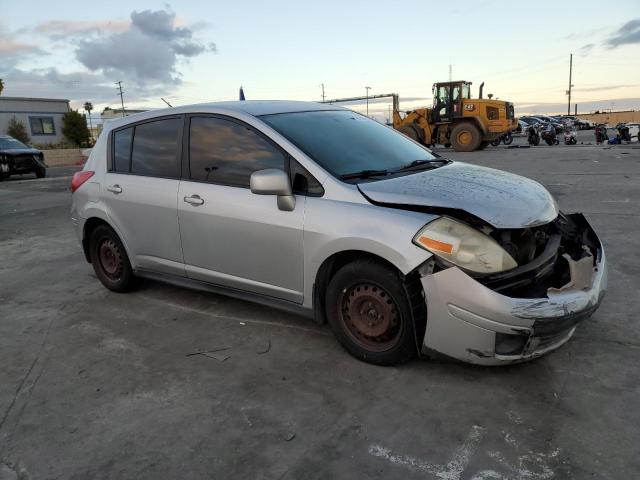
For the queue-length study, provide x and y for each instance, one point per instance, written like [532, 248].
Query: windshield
[345, 142]
[8, 143]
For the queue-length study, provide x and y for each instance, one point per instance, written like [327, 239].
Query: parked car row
[573, 121]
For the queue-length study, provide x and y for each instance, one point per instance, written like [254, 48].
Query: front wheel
[110, 261]
[40, 172]
[410, 132]
[369, 313]
[465, 137]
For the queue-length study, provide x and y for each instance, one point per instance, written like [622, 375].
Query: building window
[42, 126]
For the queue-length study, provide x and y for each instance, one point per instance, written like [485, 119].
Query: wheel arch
[474, 120]
[90, 225]
[332, 264]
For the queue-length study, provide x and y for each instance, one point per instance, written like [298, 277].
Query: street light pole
[367, 89]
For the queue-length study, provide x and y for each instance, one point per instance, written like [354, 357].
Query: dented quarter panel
[502, 199]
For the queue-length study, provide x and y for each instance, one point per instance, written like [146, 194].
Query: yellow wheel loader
[456, 119]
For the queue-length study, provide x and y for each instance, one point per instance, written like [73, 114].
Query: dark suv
[16, 158]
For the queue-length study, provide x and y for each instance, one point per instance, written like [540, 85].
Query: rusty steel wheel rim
[370, 316]
[110, 259]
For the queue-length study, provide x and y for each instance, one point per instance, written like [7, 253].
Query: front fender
[383, 232]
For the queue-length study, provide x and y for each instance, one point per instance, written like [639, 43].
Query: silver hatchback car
[320, 210]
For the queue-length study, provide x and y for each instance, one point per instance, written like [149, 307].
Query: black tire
[465, 137]
[40, 172]
[507, 140]
[484, 145]
[495, 142]
[410, 132]
[369, 313]
[110, 261]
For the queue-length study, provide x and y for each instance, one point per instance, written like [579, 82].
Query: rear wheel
[465, 137]
[110, 260]
[369, 313]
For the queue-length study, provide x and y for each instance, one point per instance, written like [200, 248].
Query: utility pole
[119, 83]
[322, 86]
[569, 91]
[367, 89]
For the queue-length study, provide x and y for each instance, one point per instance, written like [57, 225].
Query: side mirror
[273, 181]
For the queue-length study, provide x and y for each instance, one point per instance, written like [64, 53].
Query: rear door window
[156, 147]
[225, 152]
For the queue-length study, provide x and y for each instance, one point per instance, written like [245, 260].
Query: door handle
[194, 200]
[115, 189]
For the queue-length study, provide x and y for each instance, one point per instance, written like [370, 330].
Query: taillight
[79, 178]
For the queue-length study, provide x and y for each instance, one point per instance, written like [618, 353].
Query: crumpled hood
[502, 199]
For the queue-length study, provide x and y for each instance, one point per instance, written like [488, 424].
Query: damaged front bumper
[471, 322]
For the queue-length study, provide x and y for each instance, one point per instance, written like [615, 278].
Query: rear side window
[155, 148]
[225, 152]
[122, 150]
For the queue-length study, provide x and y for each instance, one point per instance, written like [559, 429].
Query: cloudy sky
[198, 51]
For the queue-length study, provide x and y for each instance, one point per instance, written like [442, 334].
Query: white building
[42, 117]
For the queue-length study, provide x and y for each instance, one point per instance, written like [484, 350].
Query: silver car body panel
[243, 242]
[502, 199]
[144, 211]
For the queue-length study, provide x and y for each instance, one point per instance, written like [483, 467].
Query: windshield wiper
[364, 174]
[420, 164]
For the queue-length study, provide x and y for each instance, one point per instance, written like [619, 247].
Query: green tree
[74, 127]
[17, 130]
[1, 86]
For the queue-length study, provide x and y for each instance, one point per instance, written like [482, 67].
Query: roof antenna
[166, 102]
[241, 94]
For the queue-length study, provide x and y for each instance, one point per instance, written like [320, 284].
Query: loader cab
[447, 100]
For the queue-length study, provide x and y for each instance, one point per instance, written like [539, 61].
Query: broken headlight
[464, 246]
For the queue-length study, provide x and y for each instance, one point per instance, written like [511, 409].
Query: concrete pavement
[99, 385]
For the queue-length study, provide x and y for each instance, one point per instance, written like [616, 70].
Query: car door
[140, 192]
[230, 236]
